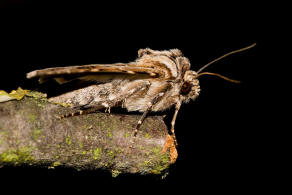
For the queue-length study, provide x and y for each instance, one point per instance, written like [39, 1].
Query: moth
[155, 81]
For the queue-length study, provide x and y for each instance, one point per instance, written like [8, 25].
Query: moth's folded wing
[98, 72]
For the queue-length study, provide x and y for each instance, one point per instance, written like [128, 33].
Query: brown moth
[155, 81]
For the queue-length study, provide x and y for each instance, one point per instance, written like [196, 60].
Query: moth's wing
[97, 72]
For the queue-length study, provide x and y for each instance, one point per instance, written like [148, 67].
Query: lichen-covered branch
[31, 134]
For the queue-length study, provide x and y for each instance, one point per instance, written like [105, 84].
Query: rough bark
[31, 134]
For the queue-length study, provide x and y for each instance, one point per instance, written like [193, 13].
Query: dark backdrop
[220, 141]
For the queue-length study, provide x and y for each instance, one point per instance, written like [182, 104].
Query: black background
[222, 145]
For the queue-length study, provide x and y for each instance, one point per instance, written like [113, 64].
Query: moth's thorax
[190, 87]
[171, 62]
[178, 66]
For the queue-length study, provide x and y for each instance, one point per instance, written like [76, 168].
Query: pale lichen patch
[57, 163]
[115, 173]
[35, 134]
[14, 94]
[96, 153]
[68, 140]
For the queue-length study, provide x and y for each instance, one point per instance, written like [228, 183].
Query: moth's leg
[177, 107]
[170, 141]
[150, 105]
[80, 112]
[80, 109]
[141, 120]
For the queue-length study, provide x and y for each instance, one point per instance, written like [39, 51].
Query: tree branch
[31, 134]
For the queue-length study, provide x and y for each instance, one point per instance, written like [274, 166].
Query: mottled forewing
[90, 71]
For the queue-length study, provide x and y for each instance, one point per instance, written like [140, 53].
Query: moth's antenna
[225, 55]
[218, 75]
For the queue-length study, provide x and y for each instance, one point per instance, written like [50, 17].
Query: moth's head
[190, 88]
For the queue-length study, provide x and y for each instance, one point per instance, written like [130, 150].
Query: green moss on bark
[17, 156]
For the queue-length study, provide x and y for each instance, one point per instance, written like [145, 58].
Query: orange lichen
[170, 144]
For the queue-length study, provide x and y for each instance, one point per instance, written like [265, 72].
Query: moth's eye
[186, 88]
[147, 52]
